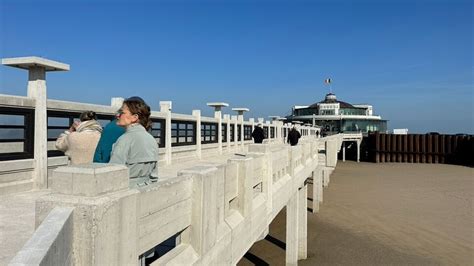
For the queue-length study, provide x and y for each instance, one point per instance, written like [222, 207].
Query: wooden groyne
[421, 148]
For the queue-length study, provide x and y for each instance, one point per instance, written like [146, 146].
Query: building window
[272, 132]
[183, 133]
[265, 132]
[208, 133]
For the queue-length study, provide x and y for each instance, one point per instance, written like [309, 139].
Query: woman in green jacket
[136, 148]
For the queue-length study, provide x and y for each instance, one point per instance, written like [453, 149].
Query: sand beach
[385, 214]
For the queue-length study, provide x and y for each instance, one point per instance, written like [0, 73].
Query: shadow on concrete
[276, 242]
[255, 260]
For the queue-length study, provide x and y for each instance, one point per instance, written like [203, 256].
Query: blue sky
[412, 60]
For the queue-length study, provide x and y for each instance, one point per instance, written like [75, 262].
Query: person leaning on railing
[80, 141]
[136, 148]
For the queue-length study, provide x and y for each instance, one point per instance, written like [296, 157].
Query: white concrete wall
[221, 209]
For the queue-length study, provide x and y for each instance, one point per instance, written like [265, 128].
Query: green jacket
[138, 150]
[109, 136]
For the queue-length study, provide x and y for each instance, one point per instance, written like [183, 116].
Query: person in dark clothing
[258, 134]
[293, 136]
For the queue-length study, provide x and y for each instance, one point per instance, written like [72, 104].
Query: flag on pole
[327, 81]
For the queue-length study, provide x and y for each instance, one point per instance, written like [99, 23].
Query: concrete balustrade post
[37, 68]
[165, 107]
[252, 125]
[218, 116]
[105, 212]
[227, 121]
[267, 179]
[239, 218]
[240, 118]
[235, 122]
[204, 218]
[292, 230]
[197, 114]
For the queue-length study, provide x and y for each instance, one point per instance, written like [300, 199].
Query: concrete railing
[218, 210]
[24, 178]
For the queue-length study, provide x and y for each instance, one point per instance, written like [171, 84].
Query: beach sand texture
[385, 214]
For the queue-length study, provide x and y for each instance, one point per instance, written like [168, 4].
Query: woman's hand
[74, 126]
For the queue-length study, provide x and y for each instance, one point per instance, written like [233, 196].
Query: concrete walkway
[385, 214]
[17, 211]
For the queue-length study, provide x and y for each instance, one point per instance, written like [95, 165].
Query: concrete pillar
[234, 122]
[37, 90]
[358, 150]
[218, 116]
[37, 68]
[292, 232]
[343, 151]
[203, 229]
[197, 114]
[241, 123]
[317, 190]
[302, 222]
[227, 120]
[252, 122]
[165, 107]
[240, 116]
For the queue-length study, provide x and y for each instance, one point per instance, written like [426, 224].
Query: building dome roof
[331, 98]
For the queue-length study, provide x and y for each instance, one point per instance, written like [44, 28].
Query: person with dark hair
[258, 134]
[293, 136]
[80, 141]
[136, 148]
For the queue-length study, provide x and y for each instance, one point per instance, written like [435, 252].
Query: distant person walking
[293, 136]
[80, 141]
[136, 148]
[258, 134]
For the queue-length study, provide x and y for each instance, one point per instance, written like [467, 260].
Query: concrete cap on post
[218, 105]
[90, 179]
[240, 111]
[34, 61]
